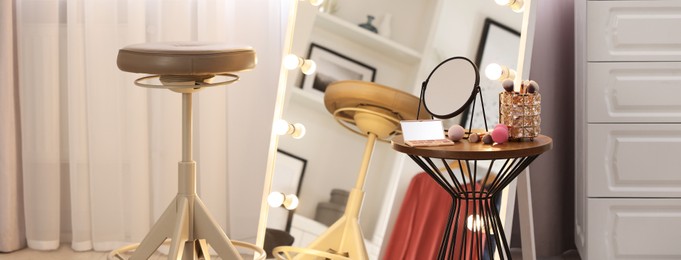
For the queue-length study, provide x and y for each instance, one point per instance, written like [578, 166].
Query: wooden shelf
[369, 39]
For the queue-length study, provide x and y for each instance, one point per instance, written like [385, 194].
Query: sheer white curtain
[100, 155]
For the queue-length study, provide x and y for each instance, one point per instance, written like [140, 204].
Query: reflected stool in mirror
[186, 67]
[370, 110]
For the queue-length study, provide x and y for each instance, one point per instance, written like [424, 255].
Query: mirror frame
[508, 195]
[474, 92]
[278, 112]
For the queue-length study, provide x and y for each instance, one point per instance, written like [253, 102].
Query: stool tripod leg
[202, 249]
[354, 240]
[206, 227]
[157, 234]
[181, 232]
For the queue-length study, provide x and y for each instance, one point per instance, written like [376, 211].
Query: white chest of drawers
[628, 129]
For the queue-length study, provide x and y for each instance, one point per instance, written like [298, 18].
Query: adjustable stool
[186, 67]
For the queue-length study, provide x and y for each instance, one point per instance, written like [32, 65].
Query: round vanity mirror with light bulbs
[445, 82]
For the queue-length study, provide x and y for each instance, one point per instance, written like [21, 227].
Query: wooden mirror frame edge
[521, 185]
[278, 112]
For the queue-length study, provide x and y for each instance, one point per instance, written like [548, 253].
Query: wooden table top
[465, 150]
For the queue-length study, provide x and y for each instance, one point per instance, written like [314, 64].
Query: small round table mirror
[443, 93]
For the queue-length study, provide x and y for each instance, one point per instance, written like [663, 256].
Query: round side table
[492, 166]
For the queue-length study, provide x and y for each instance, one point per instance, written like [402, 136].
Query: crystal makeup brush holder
[521, 112]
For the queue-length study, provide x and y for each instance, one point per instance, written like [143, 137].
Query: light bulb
[308, 67]
[494, 71]
[280, 127]
[316, 2]
[291, 62]
[291, 201]
[474, 223]
[498, 72]
[275, 199]
[510, 75]
[518, 7]
[298, 131]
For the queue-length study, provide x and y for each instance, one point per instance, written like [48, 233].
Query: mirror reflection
[412, 38]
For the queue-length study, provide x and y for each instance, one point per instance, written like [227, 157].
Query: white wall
[404, 13]
[460, 26]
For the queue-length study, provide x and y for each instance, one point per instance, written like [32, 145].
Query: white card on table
[424, 133]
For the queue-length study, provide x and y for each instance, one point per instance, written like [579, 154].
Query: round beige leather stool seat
[185, 58]
[185, 61]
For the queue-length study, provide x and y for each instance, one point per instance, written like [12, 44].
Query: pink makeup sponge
[500, 135]
[455, 133]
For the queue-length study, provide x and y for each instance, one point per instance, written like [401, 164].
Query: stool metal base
[174, 224]
[186, 221]
[343, 240]
[345, 235]
[289, 252]
[173, 228]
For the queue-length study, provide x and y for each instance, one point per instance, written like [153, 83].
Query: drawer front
[634, 30]
[634, 160]
[634, 92]
[634, 229]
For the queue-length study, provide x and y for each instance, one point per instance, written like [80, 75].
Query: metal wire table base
[474, 228]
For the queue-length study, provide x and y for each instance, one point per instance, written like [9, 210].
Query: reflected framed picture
[498, 44]
[289, 171]
[333, 66]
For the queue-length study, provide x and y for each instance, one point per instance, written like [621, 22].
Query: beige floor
[65, 252]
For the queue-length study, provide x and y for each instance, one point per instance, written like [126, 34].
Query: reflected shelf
[307, 98]
[373, 41]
